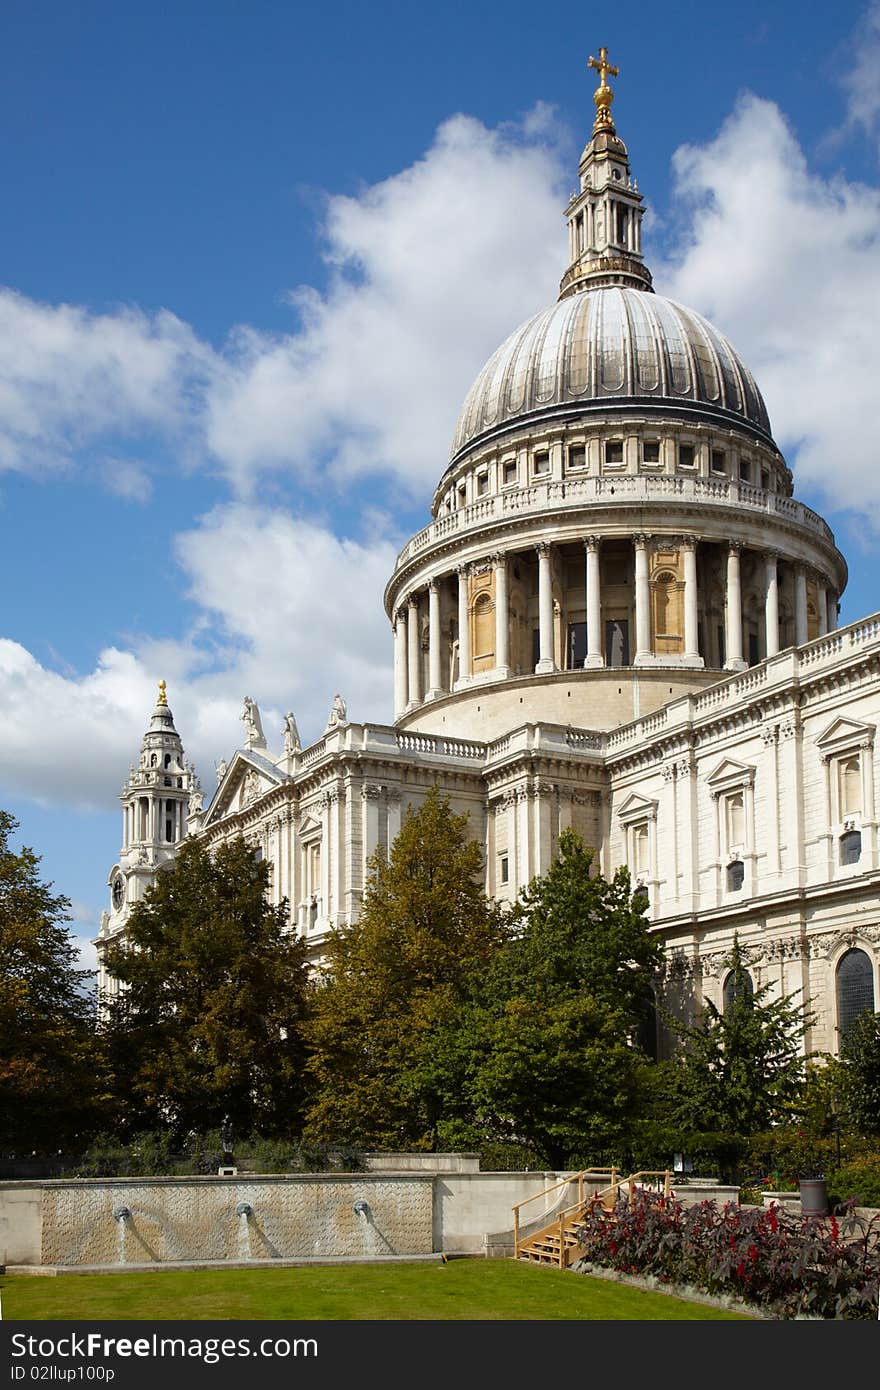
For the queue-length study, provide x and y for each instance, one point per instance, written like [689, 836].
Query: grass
[478, 1290]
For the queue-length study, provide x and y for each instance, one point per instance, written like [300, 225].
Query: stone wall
[72, 1222]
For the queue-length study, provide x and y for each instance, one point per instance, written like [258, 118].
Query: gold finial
[161, 700]
[603, 95]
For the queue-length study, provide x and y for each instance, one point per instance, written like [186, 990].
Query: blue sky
[251, 258]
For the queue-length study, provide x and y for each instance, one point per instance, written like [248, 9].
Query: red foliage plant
[791, 1266]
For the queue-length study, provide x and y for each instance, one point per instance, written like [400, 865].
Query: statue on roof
[291, 735]
[338, 714]
[253, 727]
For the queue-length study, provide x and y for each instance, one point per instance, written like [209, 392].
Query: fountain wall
[104, 1221]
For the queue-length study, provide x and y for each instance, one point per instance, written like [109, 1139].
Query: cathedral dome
[608, 349]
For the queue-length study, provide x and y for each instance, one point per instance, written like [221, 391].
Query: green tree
[546, 1047]
[857, 1074]
[737, 1071]
[208, 1020]
[51, 1077]
[393, 980]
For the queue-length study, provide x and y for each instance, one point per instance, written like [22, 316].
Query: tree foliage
[392, 982]
[208, 1020]
[50, 1071]
[546, 1045]
[737, 1071]
[857, 1074]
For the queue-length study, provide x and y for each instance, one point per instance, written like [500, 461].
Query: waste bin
[814, 1197]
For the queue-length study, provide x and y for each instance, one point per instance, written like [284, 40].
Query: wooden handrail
[563, 1182]
[614, 1187]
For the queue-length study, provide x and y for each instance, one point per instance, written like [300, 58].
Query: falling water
[371, 1238]
[244, 1212]
[121, 1216]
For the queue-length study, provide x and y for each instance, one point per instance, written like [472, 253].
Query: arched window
[167, 760]
[154, 761]
[855, 988]
[484, 628]
[730, 990]
[646, 1034]
[851, 847]
[736, 874]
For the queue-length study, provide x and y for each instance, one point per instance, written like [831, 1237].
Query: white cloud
[69, 377]
[861, 72]
[787, 263]
[429, 270]
[127, 479]
[291, 615]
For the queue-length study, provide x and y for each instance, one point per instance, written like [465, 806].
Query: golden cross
[603, 66]
[162, 700]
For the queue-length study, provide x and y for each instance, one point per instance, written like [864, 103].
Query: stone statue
[221, 770]
[338, 714]
[253, 728]
[196, 796]
[291, 735]
[226, 1139]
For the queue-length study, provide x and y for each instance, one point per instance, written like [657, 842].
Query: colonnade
[408, 670]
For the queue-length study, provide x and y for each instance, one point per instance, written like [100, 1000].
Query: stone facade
[619, 619]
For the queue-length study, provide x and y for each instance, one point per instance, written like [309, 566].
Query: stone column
[832, 613]
[414, 654]
[546, 663]
[691, 602]
[643, 654]
[734, 660]
[595, 656]
[401, 681]
[822, 605]
[464, 629]
[502, 618]
[435, 675]
[771, 604]
[800, 605]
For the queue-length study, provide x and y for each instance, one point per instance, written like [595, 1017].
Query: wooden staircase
[556, 1242]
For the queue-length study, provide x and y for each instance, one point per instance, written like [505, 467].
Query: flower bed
[790, 1266]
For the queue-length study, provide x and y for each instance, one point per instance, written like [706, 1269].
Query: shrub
[857, 1180]
[791, 1266]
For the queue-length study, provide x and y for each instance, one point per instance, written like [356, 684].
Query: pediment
[845, 733]
[636, 807]
[246, 780]
[730, 773]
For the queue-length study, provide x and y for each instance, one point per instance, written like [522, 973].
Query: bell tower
[156, 799]
[605, 213]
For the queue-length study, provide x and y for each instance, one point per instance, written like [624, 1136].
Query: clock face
[118, 892]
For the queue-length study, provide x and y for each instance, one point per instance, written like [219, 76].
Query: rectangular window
[650, 451]
[849, 787]
[640, 848]
[577, 646]
[541, 463]
[462, 495]
[745, 470]
[754, 658]
[765, 480]
[685, 455]
[614, 451]
[536, 647]
[509, 474]
[482, 484]
[735, 821]
[622, 220]
[577, 456]
[718, 461]
[169, 830]
[504, 869]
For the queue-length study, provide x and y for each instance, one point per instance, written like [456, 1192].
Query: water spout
[121, 1213]
[361, 1208]
[244, 1209]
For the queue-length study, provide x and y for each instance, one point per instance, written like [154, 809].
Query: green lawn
[461, 1289]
